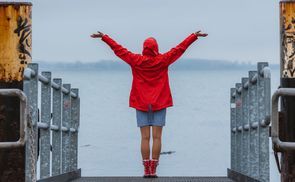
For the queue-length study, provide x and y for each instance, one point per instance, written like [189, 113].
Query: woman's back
[150, 86]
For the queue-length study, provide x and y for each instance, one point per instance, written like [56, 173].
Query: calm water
[197, 127]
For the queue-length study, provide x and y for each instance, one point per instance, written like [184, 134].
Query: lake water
[197, 127]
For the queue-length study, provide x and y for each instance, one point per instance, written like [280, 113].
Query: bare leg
[145, 142]
[157, 141]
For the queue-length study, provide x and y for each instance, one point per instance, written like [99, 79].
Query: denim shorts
[151, 118]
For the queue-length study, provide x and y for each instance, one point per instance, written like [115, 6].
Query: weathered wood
[15, 53]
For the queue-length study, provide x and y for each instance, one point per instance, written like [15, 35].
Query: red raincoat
[150, 86]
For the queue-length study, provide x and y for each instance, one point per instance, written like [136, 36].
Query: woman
[150, 93]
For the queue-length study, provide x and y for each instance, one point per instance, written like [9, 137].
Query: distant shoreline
[182, 64]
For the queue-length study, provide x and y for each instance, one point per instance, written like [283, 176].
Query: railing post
[45, 132]
[238, 100]
[263, 94]
[253, 118]
[252, 113]
[75, 115]
[66, 117]
[56, 134]
[233, 130]
[245, 122]
[31, 90]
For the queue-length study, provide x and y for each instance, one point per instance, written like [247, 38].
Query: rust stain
[67, 104]
[15, 40]
[287, 10]
[15, 47]
[239, 103]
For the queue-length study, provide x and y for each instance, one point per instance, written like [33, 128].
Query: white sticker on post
[233, 105]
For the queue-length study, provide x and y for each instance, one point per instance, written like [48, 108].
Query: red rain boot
[154, 163]
[146, 164]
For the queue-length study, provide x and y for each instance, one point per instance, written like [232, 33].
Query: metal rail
[279, 145]
[58, 126]
[23, 118]
[29, 74]
[250, 119]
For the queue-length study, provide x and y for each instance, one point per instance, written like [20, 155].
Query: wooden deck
[159, 179]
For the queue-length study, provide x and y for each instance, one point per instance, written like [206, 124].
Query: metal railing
[277, 123]
[250, 119]
[55, 136]
[23, 117]
[278, 144]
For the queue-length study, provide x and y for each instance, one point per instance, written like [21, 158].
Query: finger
[203, 34]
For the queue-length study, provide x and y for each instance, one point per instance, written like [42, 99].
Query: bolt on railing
[58, 127]
[250, 119]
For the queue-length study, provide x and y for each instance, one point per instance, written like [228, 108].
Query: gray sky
[238, 30]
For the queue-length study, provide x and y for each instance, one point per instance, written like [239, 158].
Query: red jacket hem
[154, 108]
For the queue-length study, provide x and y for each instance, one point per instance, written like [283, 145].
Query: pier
[40, 114]
[249, 103]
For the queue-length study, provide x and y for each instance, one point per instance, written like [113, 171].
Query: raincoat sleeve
[173, 54]
[121, 51]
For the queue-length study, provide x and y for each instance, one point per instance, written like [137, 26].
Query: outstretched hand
[200, 34]
[97, 35]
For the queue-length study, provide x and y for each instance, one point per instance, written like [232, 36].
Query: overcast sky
[238, 30]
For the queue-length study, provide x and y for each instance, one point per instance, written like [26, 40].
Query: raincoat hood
[150, 47]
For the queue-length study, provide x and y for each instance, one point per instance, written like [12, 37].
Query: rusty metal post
[15, 53]
[287, 81]
[287, 133]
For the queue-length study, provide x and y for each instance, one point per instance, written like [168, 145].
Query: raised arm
[173, 54]
[118, 49]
